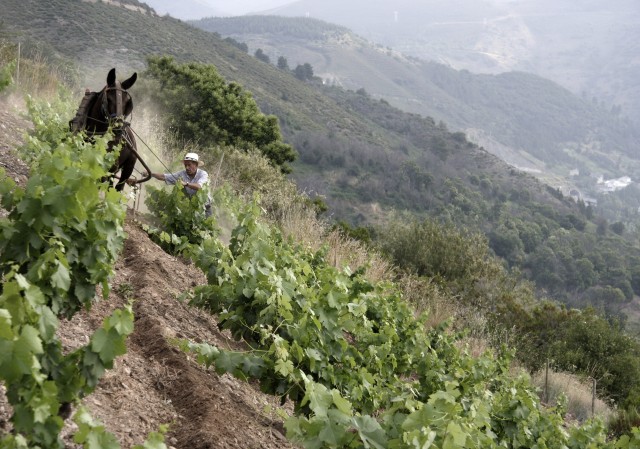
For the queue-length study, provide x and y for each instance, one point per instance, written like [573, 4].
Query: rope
[149, 148]
[215, 183]
[128, 125]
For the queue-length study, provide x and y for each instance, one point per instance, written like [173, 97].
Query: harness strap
[79, 122]
[119, 108]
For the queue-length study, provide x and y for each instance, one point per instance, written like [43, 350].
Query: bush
[5, 75]
[203, 107]
[182, 218]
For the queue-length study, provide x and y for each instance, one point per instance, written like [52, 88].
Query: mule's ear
[129, 82]
[111, 78]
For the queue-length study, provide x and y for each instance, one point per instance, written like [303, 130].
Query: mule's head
[116, 101]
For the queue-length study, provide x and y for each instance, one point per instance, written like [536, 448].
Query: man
[191, 178]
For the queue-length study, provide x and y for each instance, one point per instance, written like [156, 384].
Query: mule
[109, 109]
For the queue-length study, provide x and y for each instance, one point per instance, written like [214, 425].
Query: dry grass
[299, 221]
[33, 73]
[250, 173]
[427, 297]
[291, 211]
[578, 393]
[344, 251]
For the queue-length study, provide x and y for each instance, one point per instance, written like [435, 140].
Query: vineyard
[145, 389]
[108, 340]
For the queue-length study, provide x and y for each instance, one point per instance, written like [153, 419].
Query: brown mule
[109, 108]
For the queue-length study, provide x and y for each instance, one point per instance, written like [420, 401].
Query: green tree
[200, 105]
[635, 276]
[262, 56]
[506, 243]
[241, 45]
[304, 71]
[530, 234]
[617, 227]
[603, 226]
[586, 272]
[283, 64]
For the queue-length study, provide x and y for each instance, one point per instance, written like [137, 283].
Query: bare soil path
[155, 383]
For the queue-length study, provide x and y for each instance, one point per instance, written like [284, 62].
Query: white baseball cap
[192, 157]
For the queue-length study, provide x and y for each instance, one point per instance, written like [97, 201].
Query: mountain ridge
[494, 36]
[367, 155]
[520, 111]
[367, 159]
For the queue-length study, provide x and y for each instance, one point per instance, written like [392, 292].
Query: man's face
[190, 167]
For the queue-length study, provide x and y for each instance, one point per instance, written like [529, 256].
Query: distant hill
[366, 158]
[186, 9]
[590, 47]
[528, 121]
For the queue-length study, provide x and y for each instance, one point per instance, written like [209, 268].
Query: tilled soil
[155, 383]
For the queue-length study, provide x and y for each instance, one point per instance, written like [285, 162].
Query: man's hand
[184, 183]
[131, 181]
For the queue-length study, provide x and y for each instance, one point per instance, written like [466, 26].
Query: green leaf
[334, 298]
[122, 321]
[332, 433]
[5, 326]
[253, 366]
[371, 434]
[456, 437]
[341, 403]
[228, 362]
[91, 434]
[60, 278]
[46, 405]
[108, 344]
[29, 340]
[319, 398]
[284, 367]
[8, 371]
[155, 440]
[357, 309]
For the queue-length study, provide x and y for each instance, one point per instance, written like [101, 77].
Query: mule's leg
[126, 169]
[128, 159]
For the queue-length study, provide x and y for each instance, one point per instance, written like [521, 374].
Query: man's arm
[201, 179]
[191, 185]
[133, 182]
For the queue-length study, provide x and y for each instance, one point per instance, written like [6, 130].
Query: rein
[117, 122]
[105, 101]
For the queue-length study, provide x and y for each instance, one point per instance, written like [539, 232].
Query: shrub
[202, 106]
[182, 218]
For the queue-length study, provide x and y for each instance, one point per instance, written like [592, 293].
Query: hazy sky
[239, 7]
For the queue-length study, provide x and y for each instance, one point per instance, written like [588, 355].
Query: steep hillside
[155, 383]
[98, 36]
[369, 160]
[101, 36]
[527, 121]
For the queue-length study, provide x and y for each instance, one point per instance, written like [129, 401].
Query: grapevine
[182, 216]
[60, 240]
[361, 370]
